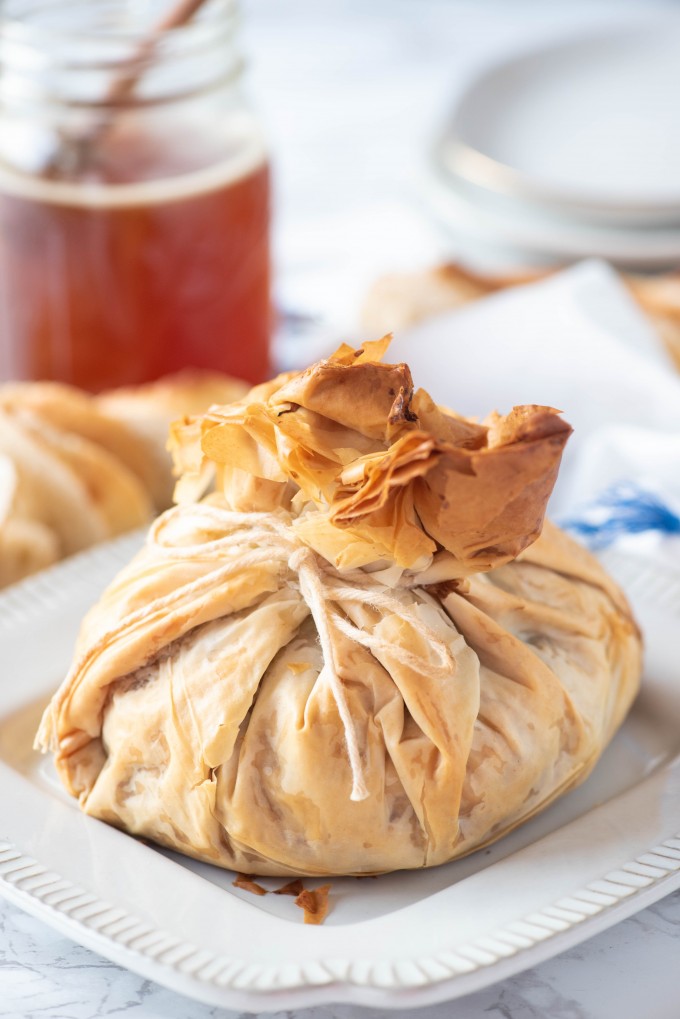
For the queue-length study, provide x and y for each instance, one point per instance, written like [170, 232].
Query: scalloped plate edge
[229, 982]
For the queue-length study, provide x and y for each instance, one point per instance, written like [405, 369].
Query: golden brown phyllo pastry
[355, 656]
[77, 469]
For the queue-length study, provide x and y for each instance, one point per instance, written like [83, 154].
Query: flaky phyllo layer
[353, 656]
[373, 471]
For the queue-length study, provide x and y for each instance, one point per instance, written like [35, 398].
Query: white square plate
[402, 940]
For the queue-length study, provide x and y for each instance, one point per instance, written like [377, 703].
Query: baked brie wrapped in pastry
[362, 652]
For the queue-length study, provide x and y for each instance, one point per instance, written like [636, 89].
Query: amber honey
[156, 259]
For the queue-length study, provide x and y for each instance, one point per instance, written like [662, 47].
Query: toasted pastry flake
[295, 887]
[245, 883]
[315, 904]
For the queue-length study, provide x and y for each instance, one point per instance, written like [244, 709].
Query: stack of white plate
[569, 151]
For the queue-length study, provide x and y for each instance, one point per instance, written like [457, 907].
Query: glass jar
[134, 196]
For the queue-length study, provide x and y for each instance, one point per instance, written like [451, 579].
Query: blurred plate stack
[569, 151]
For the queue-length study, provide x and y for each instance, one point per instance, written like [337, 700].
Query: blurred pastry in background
[147, 412]
[398, 300]
[76, 469]
[26, 545]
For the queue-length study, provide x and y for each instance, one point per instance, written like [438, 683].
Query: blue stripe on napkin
[625, 508]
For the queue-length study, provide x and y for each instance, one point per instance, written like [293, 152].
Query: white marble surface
[630, 972]
[351, 93]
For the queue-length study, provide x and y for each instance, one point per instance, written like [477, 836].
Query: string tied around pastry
[259, 537]
[303, 561]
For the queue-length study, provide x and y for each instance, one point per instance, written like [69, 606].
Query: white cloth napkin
[578, 342]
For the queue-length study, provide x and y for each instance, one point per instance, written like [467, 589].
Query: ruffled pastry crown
[374, 471]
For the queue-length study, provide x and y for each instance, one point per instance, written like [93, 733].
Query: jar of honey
[134, 195]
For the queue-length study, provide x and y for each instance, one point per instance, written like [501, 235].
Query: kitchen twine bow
[249, 539]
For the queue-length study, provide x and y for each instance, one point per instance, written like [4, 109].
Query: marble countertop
[629, 972]
[386, 72]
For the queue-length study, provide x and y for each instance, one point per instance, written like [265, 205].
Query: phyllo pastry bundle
[356, 654]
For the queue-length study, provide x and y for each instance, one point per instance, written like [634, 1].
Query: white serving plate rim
[466, 211]
[413, 957]
[488, 172]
